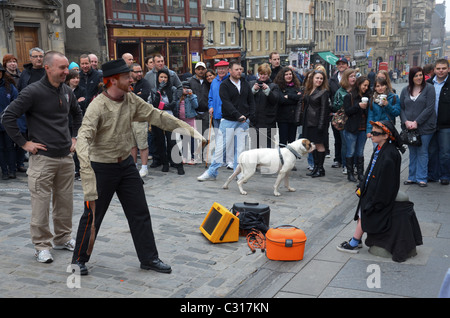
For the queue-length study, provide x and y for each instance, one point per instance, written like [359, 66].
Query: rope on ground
[256, 240]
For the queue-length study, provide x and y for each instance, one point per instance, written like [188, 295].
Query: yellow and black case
[220, 225]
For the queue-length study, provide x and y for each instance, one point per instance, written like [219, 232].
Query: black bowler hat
[115, 67]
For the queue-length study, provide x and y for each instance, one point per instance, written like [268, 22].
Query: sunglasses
[377, 133]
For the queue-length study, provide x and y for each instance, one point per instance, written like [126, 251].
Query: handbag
[161, 103]
[411, 137]
[339, 119]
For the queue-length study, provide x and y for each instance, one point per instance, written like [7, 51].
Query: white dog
[280, 160]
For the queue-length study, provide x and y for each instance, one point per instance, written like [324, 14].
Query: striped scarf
[374, 160]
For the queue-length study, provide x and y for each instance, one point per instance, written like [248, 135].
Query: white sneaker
[344, 170]
[206, 177]
[43, 256]
[70, 245]
[143, 172]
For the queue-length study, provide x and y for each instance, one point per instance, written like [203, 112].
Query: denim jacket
[190, 105]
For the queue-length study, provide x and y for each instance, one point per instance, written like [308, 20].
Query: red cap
[222, 63]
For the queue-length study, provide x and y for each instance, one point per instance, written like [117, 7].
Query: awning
[328, 57]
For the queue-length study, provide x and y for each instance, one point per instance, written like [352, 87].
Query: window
[210, 32]
[233, 33]
[281, 3]
[281, 40]
[248, 8]
[266, 9]
[124, 11]
[257, 8]
[221, 4]
[193, 11]
[267, 41]
[249, 40]
[275, 39]
[222, 32]
[274, 9]
[374, 32]
[383, 28]
[175, 10]
[232, 5]
[383, 5]
[153, 11]
[209, 3]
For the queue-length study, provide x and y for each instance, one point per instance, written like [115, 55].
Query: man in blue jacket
[238, 109]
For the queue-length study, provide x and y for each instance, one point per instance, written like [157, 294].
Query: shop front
[212, 55]
[178, 46]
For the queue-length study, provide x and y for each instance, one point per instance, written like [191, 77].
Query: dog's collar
[296, 154]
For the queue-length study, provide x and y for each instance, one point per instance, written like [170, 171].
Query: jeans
[355, 143]
[231, 135]
[418, 160]
[343, 147]
[439, 155]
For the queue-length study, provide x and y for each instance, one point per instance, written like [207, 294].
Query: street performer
[107, 167]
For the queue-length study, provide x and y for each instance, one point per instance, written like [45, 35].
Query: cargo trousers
[123, 179]
[51, 180]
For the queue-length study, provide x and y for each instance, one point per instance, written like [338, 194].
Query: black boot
[320, 160]
[180, 169]
[316, 167]
[360, 168]
[349, 165]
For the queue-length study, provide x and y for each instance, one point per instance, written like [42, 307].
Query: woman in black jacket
[290, 95]
[379, 187]
[315, 124]
[162, 97]
[266, 96]
[355, 127]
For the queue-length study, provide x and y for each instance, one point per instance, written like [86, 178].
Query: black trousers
[124, 180]
[164, 144]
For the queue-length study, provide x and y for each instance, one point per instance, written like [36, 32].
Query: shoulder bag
[411, 137]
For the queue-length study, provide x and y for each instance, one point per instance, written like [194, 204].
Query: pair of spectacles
[377, 133]
[37, 56]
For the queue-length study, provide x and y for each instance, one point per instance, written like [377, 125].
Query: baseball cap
[343, 60]
[200, 64]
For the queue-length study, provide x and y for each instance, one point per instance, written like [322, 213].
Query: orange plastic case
[285, 243]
